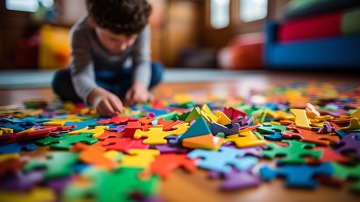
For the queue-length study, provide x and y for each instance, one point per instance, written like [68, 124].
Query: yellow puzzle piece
[36, 195]
[97, 131]
[301, 120]
[139, 158]
[156, 135]
[246, 138]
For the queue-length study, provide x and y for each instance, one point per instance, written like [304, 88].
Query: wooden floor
[182, 186]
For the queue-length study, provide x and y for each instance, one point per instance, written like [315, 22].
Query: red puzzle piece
[131, 127]
[163, 165]
[309, 136]
[123, 144]
[108, 134]
[24, 136]
[328, 155]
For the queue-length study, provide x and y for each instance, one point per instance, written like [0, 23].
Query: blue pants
[115, 81]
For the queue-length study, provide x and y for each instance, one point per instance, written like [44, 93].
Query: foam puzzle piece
[236, 180]
[222, 118]
[57, 164]
[66, 140]
[166, 149]
[227, 130]
[59, 185]
[310, 136]
[253, 151]
[328, 155]
[207, 114]
[24, 136]
[200, 127]
[353, 125]
[269, 128]
[244, 121]
[349, 143]
[8, 157]
[173, 140]
[61, 122]
[37, 194]
[222, 160]
[294, 152]
[301, 119]
[300, 176]
[123, 144]
[156, 135]
[246, 138]
[193, 115]
[118, 185]
[18, 127]
[344, 172]
[119, 129]
[139, 158]
[233, 113]
[94, 155]
[109, 134]
[208, 141]
[117, 120]
[131, 128]
[164, 164]
[17, 147]
[80, 124]
[20, 181]
[97, 131]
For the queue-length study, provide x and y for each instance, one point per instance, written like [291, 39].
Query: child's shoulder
[81, 25]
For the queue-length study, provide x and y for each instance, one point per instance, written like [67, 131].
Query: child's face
[115, 43]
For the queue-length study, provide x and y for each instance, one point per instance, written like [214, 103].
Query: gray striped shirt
[87, 54]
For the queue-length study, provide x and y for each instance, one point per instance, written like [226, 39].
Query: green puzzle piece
[112, 186]
[345, 172]
[294, 153]
[66, 140]
[58, 164]
[269, 128]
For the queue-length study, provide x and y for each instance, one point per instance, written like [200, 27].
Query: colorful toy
[66, 140]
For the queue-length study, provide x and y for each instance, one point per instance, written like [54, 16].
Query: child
[110, 57]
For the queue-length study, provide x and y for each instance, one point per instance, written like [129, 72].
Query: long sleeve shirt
[88, 55]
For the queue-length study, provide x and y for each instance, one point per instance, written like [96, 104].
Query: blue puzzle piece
[200, 127]
[81, 125]
[223, 160]
[297, 175]
[17, 147]
[275, 136]
[230, 129]
[173, 140]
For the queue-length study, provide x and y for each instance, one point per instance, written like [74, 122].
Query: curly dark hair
[120, 16]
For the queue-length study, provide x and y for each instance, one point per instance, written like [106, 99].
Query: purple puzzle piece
[165, 149]
[350, 144]
[58, 185]
[326, 129]
[243, 121]
[236, 180]
[21, 181]
[253, 151]
[227, 130]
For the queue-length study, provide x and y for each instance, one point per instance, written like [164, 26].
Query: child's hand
[137, 94]
[105, 103]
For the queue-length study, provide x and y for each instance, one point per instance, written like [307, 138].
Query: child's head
[118, 22]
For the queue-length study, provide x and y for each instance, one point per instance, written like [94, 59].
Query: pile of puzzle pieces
[307, 133]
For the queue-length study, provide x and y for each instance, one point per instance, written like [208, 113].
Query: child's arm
[139, 92]
[83, 76]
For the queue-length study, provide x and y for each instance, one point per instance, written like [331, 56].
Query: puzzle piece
[208, 141]
[20, 181]
[57, 164]
[271, 128]
[221, 160]
[94, 155]
[66, 140]
[36, 194]
[343, 172]
[157, 135]
[164, 164]
[349, 143]
[166, 149]
[310, 136]
[200, 127]
[236, 180]
[301, 175]
[222, 118]
[131, 128]
[227, 130]
[118, 185]
[353, 125]
[17, 147]
[294, 153]
[233, 113]
[97, 131]
[80, 124]
[123, 144]
[328, 155]
[24, 136]
[301, 120]
[246, 138]
[139, 158]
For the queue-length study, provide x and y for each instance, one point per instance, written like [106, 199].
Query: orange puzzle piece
[310, 136]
